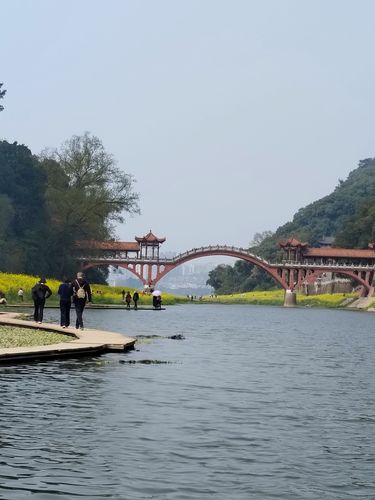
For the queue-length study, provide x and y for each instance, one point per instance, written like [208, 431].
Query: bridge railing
[338, 265]
[217, 248]
[178, 257]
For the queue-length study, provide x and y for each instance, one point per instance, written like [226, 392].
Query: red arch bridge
[303, 266]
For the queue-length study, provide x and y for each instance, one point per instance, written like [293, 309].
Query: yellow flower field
[276, 297]
[101, 294]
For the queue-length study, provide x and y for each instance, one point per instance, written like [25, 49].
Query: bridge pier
[290, 298]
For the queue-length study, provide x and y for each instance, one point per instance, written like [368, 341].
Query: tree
[258, 238]
[2, 94]
[23, 215]
[86, 194]
[359, 231]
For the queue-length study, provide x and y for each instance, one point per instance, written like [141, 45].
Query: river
[256, 403]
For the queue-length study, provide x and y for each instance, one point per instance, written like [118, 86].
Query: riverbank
[108, 297]
[276, 298]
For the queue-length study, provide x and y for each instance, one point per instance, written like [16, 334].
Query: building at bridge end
[301, 252]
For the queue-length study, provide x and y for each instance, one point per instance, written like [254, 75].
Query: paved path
[86, 342]
[91, 306]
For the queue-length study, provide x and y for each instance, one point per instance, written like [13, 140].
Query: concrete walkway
[86, 342]
[21, 305]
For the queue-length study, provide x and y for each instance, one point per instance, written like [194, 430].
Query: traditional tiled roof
[293, 242]
[149, 238]
[124, 246]
[355, 253]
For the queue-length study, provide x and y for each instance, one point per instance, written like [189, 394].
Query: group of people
[77, 290]
[127, 298]
[156, 301]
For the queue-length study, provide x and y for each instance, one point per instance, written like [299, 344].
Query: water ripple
[256, 403]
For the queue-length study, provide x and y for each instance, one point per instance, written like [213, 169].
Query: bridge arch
[238, 253]
[360, 277]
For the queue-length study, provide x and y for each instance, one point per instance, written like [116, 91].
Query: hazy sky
[230, 114]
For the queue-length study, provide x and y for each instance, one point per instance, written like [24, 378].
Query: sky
[230, 114]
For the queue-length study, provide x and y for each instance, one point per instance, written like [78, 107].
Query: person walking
[135, 299]
[128, 299]
[20, 294]
[65, 291]
[81, 295]
[40, 292]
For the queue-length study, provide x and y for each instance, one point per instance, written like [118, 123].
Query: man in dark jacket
[40, 292]
[81, 295]
[135, 299]
[65, 291]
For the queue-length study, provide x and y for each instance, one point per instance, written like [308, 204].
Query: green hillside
[329, 215]
[348, 214]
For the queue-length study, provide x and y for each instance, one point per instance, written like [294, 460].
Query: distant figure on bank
[158, 302]
[20, 294]
[128, 299]
[3, 299]
[123, 296]
[81, 295]
[135, 299]
[39, 293]
[65, 291]
[154, 301]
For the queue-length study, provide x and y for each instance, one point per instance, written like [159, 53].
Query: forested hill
[49, 202]
[332, 215]
[347, 214]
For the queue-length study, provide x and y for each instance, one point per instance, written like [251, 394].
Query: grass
[271, 297]
[13, 336]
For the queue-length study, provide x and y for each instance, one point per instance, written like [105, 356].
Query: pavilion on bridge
[302, 252]
[144, 247]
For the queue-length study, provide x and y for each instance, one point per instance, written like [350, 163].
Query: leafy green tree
[258, 238]
[2, 94]
[222, 279]
[86, 194]
[23, 215]
[241, 277]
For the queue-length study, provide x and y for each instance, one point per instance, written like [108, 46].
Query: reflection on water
[255, 403]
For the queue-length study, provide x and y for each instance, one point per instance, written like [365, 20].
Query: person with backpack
[135, 299]
[39, 293]
[81, 295]
[65, 291]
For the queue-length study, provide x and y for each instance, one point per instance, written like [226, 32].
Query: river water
[256, 403]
